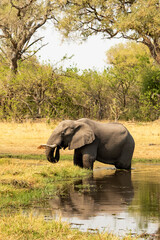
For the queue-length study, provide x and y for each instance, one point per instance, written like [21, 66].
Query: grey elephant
[109, 143]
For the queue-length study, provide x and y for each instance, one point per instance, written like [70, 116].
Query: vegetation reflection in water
[146, 203]
[116, 201]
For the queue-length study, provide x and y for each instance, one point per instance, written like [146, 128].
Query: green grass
[143, 160]
[25, 181]
[63, 157]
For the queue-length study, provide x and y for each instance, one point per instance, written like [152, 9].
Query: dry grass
[147, 139]
[24, 138]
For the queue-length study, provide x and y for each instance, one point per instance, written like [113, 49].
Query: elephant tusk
[44, 146]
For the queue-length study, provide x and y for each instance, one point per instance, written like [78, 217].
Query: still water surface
[116, 201]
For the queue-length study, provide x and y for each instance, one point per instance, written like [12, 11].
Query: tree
[19, 21]
[137, 20]
[26, 93]
[74, 99]
[128, 64]
[88, 93]
[96, 89]
[150, 93]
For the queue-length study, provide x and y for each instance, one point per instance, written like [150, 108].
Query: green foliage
[88, 92]
[129, 62]
[96, 87]
[150, 94]
[128, 89]
[24, 93]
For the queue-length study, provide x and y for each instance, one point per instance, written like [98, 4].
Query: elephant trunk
[50, 154]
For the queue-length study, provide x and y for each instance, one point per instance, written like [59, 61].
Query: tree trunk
[14, 64]
[154, 48]
[100, 111]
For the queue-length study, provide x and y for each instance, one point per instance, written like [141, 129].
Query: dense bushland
[128, 89]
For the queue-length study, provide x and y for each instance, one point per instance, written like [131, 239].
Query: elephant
[109, 143]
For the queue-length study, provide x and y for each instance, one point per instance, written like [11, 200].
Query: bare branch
[31, 44]
[24, 58]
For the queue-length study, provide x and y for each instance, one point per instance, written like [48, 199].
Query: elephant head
[69, 133]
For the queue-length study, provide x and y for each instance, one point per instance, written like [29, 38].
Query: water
[120, 202]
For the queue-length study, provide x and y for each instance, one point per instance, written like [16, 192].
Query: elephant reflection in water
[110, 194]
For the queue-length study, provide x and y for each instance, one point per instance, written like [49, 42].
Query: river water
[120, 202]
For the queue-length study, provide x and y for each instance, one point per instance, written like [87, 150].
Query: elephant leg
[88, 161]
[78, 158]
[124, 161]
[89, 154]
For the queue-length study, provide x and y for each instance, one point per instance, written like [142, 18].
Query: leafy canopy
[137, 20]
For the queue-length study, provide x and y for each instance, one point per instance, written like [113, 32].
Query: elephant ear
[83, 135]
